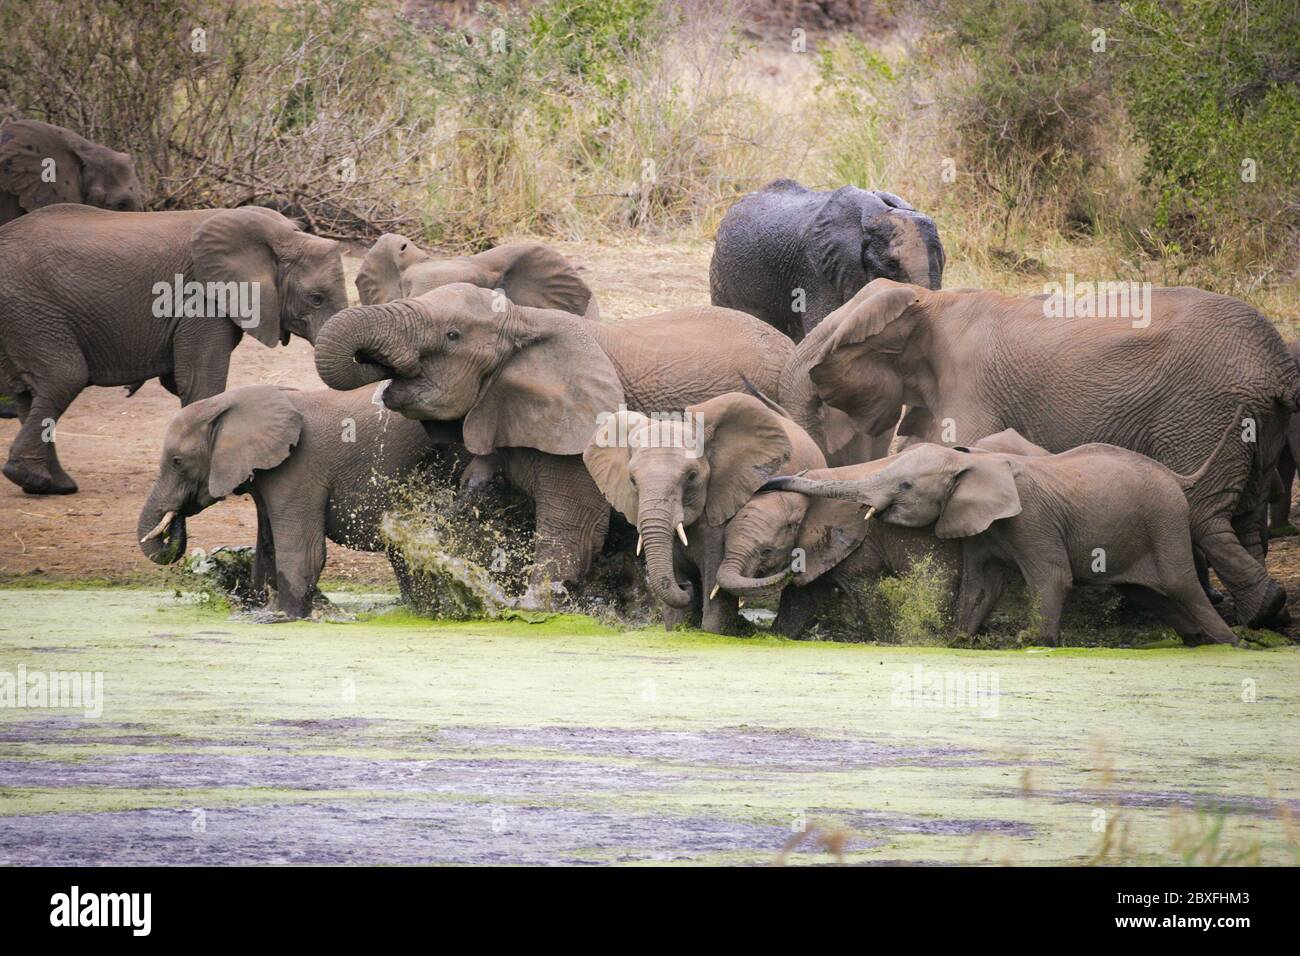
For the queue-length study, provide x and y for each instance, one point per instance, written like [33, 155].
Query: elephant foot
[541, 597]
[35, 481]
[1268, 603]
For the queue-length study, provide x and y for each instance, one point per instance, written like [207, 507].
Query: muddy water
[396, 740]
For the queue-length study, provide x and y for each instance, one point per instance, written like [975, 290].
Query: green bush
[1213, 90]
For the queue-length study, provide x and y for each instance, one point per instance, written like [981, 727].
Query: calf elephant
[791, 256]
[89, 297]
[689, 476]
[41, 165]
[808, 546]
[972, 363]
[527, 273]
[1096, 514]
[515, 377]
[318, 465]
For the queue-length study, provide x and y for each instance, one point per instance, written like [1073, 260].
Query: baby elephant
[1096, 514]
[317, 464]
[807, 546]
[679, 481]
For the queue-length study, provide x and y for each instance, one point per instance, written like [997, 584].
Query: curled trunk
[732, 578]
[368, 344]
[169, 546]
[659, 535]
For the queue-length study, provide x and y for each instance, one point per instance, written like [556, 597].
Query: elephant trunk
[847, 490]
[800, 399]
[368, 344]
[732, 578]
[161, 528]
[658, 529]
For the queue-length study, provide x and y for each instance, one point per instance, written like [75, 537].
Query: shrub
[1213, 90]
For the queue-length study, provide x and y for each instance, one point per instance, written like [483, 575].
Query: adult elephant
[972, 363]
[539, 381]
[41, 165]
[90, 297]
[527, 273]
[791, 255]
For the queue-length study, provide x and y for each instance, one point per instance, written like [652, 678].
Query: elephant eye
[176, 460]
[631, 481]
[905, 486]
[316, 299]
[452, 335]
[692, 475]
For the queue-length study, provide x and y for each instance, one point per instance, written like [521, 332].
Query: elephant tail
[1189, 481]
[758, 394]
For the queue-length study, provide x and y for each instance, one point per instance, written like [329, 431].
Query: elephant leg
[1258, 598]
[572, 518]
[720, 614]
[299, 559]
[800, 606]
[33, 463]
[1048, 584]
[1280, 510]
[264, 553]
[402, 571]
[983, 583]
[1203, 575]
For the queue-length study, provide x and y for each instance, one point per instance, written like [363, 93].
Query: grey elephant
[527, 273]
[810, 546]
[1097, 514]
[680, 481]
[521, 378]
[972, 363]
[319, 465]
[41, 165]
[1280, 509]
[89, 297]
[791, 255]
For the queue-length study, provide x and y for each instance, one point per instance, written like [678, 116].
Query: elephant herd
[747, 441]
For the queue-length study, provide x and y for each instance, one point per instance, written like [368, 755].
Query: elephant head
[527, 273]
[43, 165]
[783, 537]
[833, 367]
[960, 492]
[860, 235]
[517, 376]
[212, 448]
[664, 475]
[299, 276]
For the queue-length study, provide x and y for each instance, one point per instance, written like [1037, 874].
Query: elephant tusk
[714, 592]
[740, 603]
[162, 526]
[638, 545]
[681, 533]
[870, 511]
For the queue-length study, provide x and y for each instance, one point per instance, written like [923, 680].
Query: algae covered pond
[398, 740]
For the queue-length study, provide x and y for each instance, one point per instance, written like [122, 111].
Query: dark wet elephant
[791, 256]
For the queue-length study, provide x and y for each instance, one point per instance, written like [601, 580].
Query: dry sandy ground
[111, 444]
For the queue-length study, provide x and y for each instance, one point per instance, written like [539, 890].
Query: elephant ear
[832, 529]
[253, 430]
[985, 491]
[245, 245]
[537, 276]
[24, 147]
[835, 241]
[745, 444]
[549, 392]
[894, 202]
[880, 311]
[379, 279]
[606, 457]
[1008, 442]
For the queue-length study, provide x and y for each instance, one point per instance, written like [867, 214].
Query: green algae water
[394, 739]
